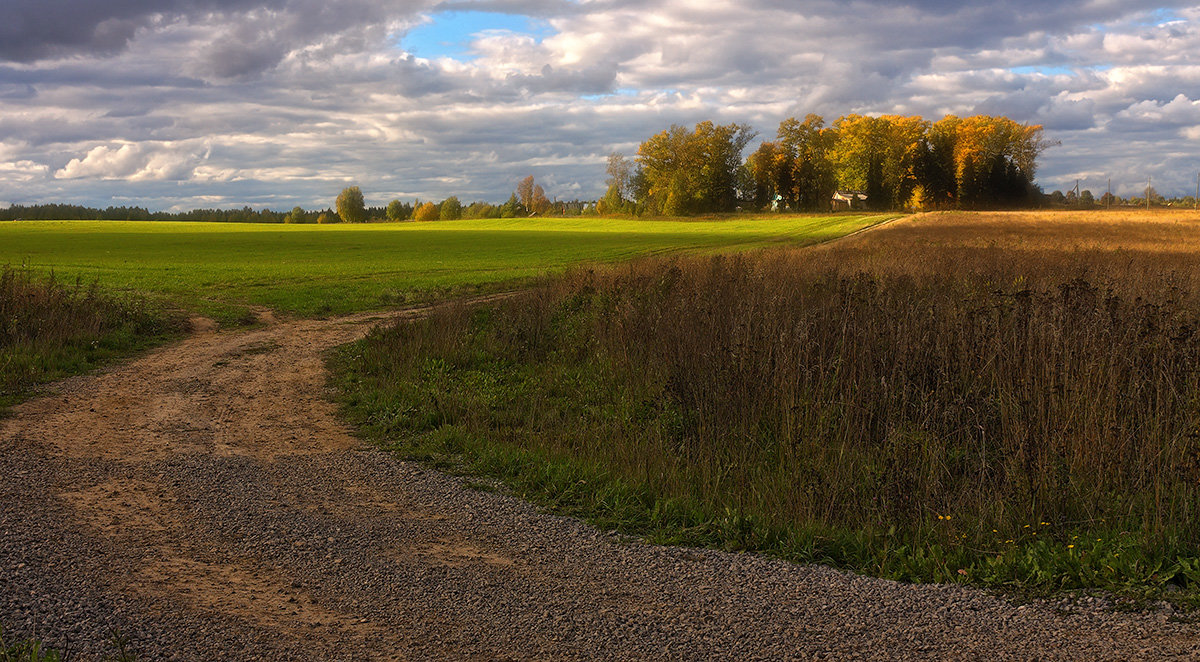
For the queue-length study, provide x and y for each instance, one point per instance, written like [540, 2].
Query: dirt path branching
[205, 502]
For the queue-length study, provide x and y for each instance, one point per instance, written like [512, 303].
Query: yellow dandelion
[1070, 546]
[1027, 526]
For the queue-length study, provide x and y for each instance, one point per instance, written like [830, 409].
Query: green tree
[513, 208]
[297, 215]
[350, 205]
[397, 211]
[695, 171]
[450, 209]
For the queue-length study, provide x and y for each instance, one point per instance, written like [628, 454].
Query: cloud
[133, 162]
[283, 102]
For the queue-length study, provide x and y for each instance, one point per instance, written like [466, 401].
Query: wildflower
[1027, 526]
[1070, 546]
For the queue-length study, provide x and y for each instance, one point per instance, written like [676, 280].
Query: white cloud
[133, 162]
[283, 101]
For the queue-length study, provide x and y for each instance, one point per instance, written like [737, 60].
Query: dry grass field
[1133, 244]
[1000, 398]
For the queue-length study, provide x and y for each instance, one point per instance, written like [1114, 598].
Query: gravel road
[205, 501]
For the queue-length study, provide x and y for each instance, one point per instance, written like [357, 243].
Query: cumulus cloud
[282, 102]
[133, 162]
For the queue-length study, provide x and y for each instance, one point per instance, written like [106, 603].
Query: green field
[330, 269]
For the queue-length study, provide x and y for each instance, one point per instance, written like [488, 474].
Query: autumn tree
[426, 211]
[936, 169]
[525, 192]
[350, 205]
[693, 172]
[763, 166]
[858, 156]
[538, 202]
[904, 147]
[995, 160]
[805, 175]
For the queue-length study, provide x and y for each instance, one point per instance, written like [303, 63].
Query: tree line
[889, 162]
[883, 163]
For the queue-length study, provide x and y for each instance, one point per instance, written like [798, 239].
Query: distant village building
[848, 200]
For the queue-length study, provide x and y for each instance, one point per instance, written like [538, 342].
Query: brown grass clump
[49, 329]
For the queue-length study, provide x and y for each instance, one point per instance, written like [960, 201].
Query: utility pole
[1108, 194]
[1147, 193]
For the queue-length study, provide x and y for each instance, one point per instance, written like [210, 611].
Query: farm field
[1005, 399]
[948, 398]
[308, 270]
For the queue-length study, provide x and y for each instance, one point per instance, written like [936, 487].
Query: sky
[178, 104]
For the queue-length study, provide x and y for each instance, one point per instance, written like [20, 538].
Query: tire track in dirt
[206, 501]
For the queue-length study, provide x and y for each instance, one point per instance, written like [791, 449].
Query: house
[848, 200]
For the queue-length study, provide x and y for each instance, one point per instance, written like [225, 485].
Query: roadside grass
[222, 269]
[30, 650]
[50, 330]
[33, 650]
[1003, 400]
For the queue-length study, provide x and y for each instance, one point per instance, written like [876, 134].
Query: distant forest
[882, 163]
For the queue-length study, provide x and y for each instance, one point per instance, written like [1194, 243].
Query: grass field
[1007, 399]
[218, 269]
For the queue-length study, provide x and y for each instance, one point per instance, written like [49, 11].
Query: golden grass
[950, 383]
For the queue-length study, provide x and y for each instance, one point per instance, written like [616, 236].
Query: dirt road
[205, 501]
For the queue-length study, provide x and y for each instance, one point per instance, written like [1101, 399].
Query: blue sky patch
[449, 34]
[1044, 70]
